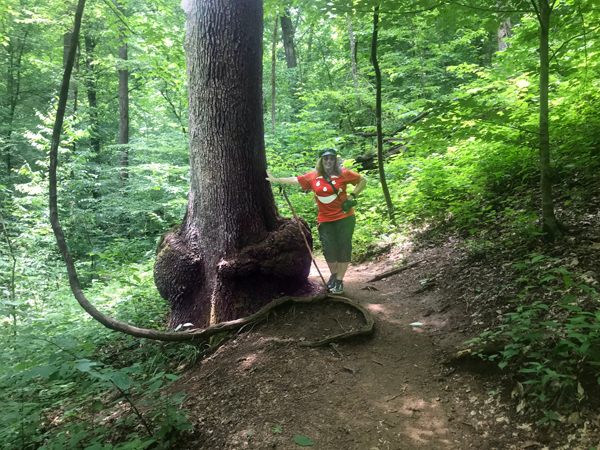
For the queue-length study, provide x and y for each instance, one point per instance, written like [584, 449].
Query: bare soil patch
[387, 391]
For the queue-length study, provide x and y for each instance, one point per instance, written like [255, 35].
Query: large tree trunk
[287, 29]
[386, 192]
[232, 253]
[550, 225]
[123, 105]
[90, 48]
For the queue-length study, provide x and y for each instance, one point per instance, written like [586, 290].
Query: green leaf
[97, 405]
[121, 380]
[41, 371]
[85, 365]
[154, 387]
[303, 441]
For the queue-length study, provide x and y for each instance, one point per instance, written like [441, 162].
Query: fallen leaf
[369, 288]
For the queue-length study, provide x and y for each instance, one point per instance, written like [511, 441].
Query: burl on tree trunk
[233, 253]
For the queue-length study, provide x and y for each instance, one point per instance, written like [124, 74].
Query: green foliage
[553, 345]
[72, 360]
[469, 164]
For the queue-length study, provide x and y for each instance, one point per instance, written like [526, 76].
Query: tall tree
[353, 59]
[123, 100]
[384, 187]
[287, 31]
[503, 33]
[273, 73]
[551, 225]
[232, 254]
[15, 49]
[90, 81]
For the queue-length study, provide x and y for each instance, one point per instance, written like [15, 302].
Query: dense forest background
[460, 115]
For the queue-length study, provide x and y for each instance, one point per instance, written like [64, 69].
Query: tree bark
[273, 72]
[90, 48]
[550, 225]
[287, 29]
[68, 41]
[310, 39]
[123, 104]
[353, 60]
[232, 253]
[386, 192]
[13, 93]
[503, 33]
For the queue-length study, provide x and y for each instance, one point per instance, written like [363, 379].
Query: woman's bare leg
[333, 267]
[341, 269]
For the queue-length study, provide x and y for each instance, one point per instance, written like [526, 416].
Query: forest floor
[393, 390]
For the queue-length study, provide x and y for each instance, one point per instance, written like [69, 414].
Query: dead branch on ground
[394, 272]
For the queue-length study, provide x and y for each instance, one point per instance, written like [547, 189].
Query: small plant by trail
[551, 340]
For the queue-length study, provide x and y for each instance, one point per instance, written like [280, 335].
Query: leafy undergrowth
[533, 307]
[68, 383]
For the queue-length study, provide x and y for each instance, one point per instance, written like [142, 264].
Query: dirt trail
[385, 392]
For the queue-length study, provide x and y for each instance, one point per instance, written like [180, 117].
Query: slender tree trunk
[75, 84]
[287, 29]
[550, 225]
[67, 43]
[353, 60]
[233, 253]
[325, 66]
[310, 39]
[504, 29]
[386, 192]
[503, 33]
[90, 48]
[273, 72]
[123, 105]
[13, 92]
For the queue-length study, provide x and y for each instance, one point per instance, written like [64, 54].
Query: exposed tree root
[366, 330]
[264, 312]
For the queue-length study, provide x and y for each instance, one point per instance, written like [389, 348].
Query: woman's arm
[362, 182]
[291, 180]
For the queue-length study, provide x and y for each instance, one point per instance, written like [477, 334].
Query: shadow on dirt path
[385, 392]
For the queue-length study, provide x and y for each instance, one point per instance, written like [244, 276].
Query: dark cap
[327, 151]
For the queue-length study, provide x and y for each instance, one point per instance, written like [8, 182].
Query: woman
[335, 225]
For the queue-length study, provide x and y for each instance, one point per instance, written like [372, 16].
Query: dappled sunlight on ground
[376, 392]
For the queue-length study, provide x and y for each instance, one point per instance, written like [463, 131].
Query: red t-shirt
[330, 205]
